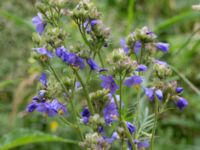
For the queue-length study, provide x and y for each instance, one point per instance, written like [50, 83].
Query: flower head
[39, 23]
[133, 80]
[43, 79]
[95, 22]
[109, 83]
[85, 115]
[149, 93]
[141, 68]
[162, 46]
[130, 127]
[44, 51]
[124, 46]
[93, 65]
[181, 103]
[159, 94]
[142, 145]
[137, 47]
[179, 90]
[110, 112]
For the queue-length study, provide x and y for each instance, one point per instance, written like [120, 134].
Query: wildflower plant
[119, 97]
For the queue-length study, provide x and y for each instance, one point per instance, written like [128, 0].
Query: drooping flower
[39, 23]
[93, 65]
[133, 80]
[181, 103]
[159, 94]
[43, 79]
[85, 115]
[143, 144]
[109, 83]
[32, 106]
[44, 51]
[137, 47]
[141, 68]
[124, 46]
[150, 93]
[95, 22]
[60, 108]
[179, 90]
[110, 112]
[130, 127]
[114, 137]
[164, 47]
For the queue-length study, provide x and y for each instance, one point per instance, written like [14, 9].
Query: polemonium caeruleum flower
[149, 92]
[44, 51]
[181, 103]
[70, 58]
[133, 80]
[93, 65]
[109, 83]
[110, 112]
[179, 90]
[85, 115]
[162, 46]
[137, 47]
[113, 138]
[39, 23]
[124, 46]
[43, 79]
[141, 68]
[130, 127]
[95, 22]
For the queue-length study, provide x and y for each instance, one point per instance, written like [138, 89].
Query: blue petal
[162, 46]
[133, 80]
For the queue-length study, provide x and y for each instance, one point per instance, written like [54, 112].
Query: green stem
[190, 84]
[101, 60]
[155, 123]
[130, 15]
[138, 111]
[85, 90]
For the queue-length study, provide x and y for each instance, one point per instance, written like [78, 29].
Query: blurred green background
[173, 21]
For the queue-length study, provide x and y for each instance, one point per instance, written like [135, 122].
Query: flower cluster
[131, 69]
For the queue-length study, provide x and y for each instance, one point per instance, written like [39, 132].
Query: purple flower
[46, 108]
[109, 83]
[150, 93]
[181, 103]
[95, 22]
[141, 68]
[161, 63]
[110, 112]
[85, 115]
[44, 51]
[114, 137]
[133, 80]
[87, 26]
[60, 108]
[32, 106]
[137, 47]
[179, 90]
[43, 79]
[60, 51]
[130, 127]
[142, 145]
[159, 94]
[124, 46]
[93, 65]
[39, 23]
[162, 46]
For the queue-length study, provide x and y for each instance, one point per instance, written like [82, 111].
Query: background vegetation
[173, 20]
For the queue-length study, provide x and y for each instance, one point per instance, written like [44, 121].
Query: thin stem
[130, 15]
[85, 90]
[138, 110]
[120, 95]
[191, 85]
[101, 60]
[155, 123]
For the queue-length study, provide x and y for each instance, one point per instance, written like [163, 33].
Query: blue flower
[137, 47]
[130, 127]
[133, 80]
[39, 23]
[142, 145]
[44, 51]
[32, 106]
[70, 58]
[43, 79]
[181, 103]
[114, 137]
[162, 63]
[149, 92]
[109, 83]
[124, 46]
[162, 46]
[159, 94]
[60, 108]
[93, 65]
[179, 90]
[141, 68]
[85, 115]
[46, 108]
[110, 112]
[95, 22]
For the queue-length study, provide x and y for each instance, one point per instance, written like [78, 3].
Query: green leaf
[25, 136]
[178, 19]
